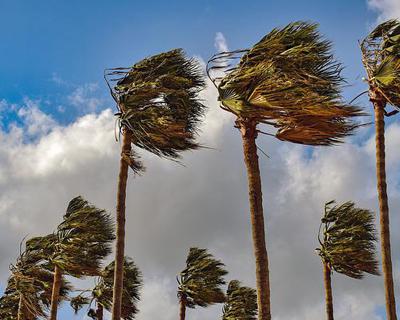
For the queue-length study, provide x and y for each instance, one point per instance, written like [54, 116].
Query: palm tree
[78, 246]
[102, 293]
[381, 59]
[159, 111]
[200, 282]
[347, 237]
[28, 292]
[241, 302]
[290, 81]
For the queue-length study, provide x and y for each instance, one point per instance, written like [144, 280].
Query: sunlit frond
[289, 80]
[241, 302]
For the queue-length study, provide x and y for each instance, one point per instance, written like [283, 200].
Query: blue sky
[73, 41]
[53, 53]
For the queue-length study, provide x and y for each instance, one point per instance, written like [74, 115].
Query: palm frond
[200, 282]
[290, 75]
[348, 240]
[381, 59]
[241, 302]
[158, 102]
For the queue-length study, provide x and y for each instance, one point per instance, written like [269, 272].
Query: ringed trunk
[182, 310]
[328, 291]
[249, 135]
[379, 105]
[55, 294]
[120, 236]
[99, 312]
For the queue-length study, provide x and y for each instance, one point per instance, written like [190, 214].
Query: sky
[57, 141]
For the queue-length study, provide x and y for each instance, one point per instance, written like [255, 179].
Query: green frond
[159, 103]
[102, 293]
[200, 282]
[289, 80]
[241, 302]
[31, 284]
[381, 58]
[81, 240]
[348, 240]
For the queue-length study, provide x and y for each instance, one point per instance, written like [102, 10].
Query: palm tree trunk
[328, 291]
[55, 294]
[249, 135]
[379, 105]
[99, 312]
[182, 310]
[120, 241]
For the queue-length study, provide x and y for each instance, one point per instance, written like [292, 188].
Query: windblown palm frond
[289, 80]
[102, 293]
[241, 302]
[29, 288]
[80, 242]
[200, 282]
[158, 102]
[348, 240]
[381, 58]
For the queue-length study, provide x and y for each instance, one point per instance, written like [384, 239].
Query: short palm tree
[241, 302]
[28, 292]
[200, 282]
[159, 111]
[381, 58]
[102, 293]
[290, 81]
[347, 240]
[78, 246]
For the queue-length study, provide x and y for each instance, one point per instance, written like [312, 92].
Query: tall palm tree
[241, 302]
[78, 246]
[199, 284]
[102, 293]
[290, 81]
[347, 240]
[28, 292]
[381, 58]
[159, 111]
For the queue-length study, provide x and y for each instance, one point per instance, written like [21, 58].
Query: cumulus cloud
[387, 9]
[204, 203]
[84, 98]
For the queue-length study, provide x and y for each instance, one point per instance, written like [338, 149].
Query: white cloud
[387, 9]
[84, 98]
[171, 208]
[220, 42]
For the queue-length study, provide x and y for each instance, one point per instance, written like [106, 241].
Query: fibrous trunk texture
[120, 241]
[182, 310]
[379, 106]
[328, 291]
[55, 295]
[249, 134]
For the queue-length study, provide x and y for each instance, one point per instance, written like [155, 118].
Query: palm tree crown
[102, 293]
[348, 240]
[158, 102]
[29, 288]
[381, 58]
[289, 80]
[200, 282]
[80, 242]
[241, 302]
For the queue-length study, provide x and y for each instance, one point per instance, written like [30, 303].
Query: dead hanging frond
[348, 239]
[381, 59]
[289, 75]
[158, 102]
